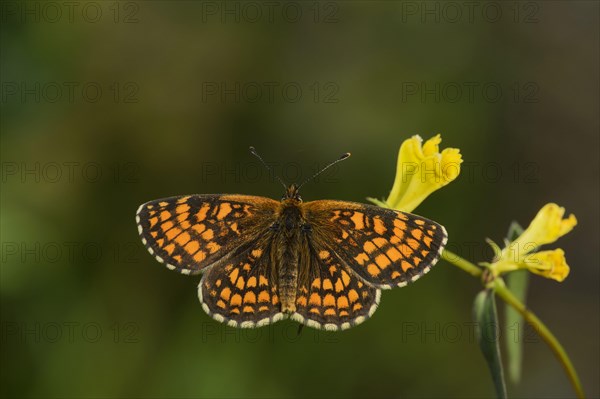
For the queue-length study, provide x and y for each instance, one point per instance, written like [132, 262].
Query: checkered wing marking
[192, 232]
[384, 247]
[330, 295]
[242, 291]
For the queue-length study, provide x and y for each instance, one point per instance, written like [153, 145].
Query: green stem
[503, 292]
[462, 263]
[508, 297]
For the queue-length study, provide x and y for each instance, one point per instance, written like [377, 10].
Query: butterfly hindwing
[242, 291]
[330, 295]
[189, 233]
[386, 248]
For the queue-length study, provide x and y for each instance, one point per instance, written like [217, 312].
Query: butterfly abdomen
[288, 234]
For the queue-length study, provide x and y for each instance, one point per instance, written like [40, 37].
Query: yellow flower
[547, 227]
[421, 170]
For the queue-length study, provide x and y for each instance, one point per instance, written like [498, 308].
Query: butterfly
[321, 263]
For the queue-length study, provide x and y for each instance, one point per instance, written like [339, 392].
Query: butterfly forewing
[189, 233]
[384, 247]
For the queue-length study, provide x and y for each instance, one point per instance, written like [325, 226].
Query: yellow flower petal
[550, 264]
[547, 227]
[432, 146]
[422, 169]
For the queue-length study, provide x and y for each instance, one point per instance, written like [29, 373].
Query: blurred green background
[107, 105]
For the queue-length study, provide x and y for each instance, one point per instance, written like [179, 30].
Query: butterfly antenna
[253, 152]
[340, 159]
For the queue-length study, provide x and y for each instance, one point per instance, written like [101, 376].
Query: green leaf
[517, 283]
[377, 202]
[486, 322]
[514, 231]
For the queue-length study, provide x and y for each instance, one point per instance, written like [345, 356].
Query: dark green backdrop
[107, 105]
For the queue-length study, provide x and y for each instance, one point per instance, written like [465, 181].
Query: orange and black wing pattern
[384, 247]
[242, 292]
[190, 233]
[330, 295]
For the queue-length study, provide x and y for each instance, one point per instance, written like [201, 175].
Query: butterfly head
[292, 193]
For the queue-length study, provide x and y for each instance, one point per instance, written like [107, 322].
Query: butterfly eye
[274, 226]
